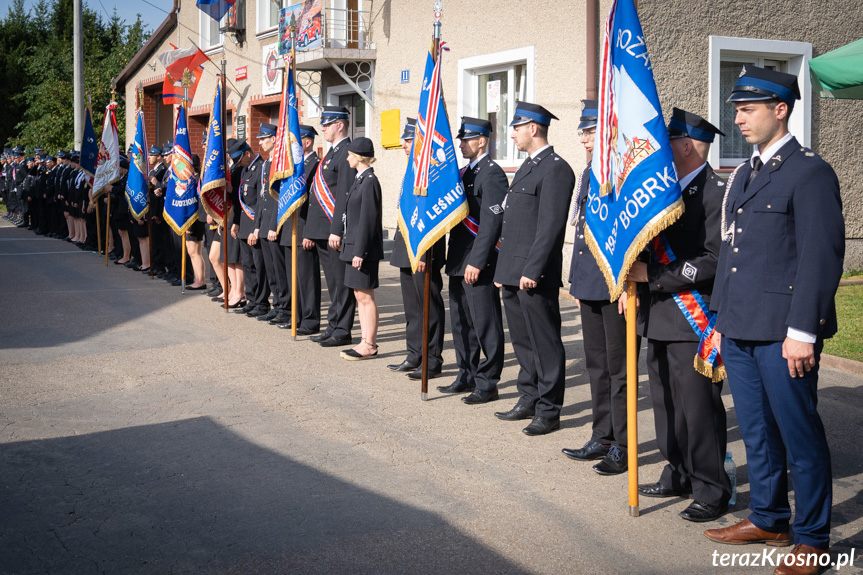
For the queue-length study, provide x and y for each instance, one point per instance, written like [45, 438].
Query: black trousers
[690, 422]
[603, 332]
[274, 262]
[343, 303]
[250, 275]
[308, 285]
[413, 292]
[477, 326]
[533, 318]
[262, 295]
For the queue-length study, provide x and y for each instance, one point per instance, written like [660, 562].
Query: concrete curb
[850, 281]
[842, 364]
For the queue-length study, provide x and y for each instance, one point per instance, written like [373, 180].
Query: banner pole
[225, 230]
[150, 231]
[632, 396]
[183, 265]
[107, 229]
[98, 225]
[294, 216]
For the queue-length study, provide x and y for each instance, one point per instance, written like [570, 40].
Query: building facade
[374, 53]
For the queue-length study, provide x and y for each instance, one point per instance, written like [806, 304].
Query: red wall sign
[241, 73]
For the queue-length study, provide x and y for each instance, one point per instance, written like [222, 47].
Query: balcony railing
[347, 28]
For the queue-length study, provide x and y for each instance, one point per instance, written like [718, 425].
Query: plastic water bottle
[731, 470]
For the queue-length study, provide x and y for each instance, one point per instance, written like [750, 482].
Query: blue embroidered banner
[634, 193]
[136, 182]
[213, 177]
[181, 196]
[288, 177]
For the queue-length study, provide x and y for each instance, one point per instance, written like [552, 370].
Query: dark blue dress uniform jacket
[789, 245]
[250, 181]
[339, 177]
[310, 164]
[534, 222]
[587, 280]
[485, 188]
[695, 241]
[363, 230]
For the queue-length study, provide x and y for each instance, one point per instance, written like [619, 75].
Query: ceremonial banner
[634, 193]
[136, 182]
[432, 199]
[213, 172]
[288, 175]
[215, 9]
[175, 62]
[309, 33]
[181, 195]
[108, 162]
[89, 146]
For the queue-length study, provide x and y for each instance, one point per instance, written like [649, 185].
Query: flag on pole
[89, 145]
[176, 62]
[181, 195]
[213, 173]
[634, 193]
[432, 199]
[136, 183]
[288, 175]
[215, 9]
[108, 161]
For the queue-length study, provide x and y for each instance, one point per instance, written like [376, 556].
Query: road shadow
[193, 496]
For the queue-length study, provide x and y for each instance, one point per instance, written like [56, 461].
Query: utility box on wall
[391, 129]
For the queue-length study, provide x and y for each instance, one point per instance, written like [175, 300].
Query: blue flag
[634, 193]
[288, 174]
[213, 177]
[432, 199]
[89, 145]
[181, 195]
[215, 9]
[136, 182]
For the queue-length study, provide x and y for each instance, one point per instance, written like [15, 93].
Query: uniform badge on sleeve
[690, 272]
[496, 209]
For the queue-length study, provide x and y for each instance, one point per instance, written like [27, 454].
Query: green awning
[839, 74]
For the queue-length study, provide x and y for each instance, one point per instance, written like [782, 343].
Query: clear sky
[152, 11]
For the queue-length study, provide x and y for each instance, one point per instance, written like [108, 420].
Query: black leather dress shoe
[333, 341]
[614, 463]
[284, 325]
[257, 312]
[268, 316]
[699, 512]
[177, 283]
[659, 490]
[321, 337]
[199, 288]
[479, 396]
[591, 450]
[307, 330]
[418, 373]
[214, 291]
[456, 387]
[280, 318]
[245, 309]
[516, 413]
[403, 366]
[541, 425]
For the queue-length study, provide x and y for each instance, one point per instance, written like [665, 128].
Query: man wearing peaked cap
[687, 403]
[779, 268]
[529, 269]
[413, 294]
[308, 264]
[332, 182]
[603, 330]
[477, 324]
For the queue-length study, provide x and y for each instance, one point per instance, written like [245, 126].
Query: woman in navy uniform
[529, 268]
[603, 331]
[779, 267]
[363, 244]
[477, 323]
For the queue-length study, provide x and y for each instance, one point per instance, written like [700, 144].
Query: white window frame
[469, 71]
[261, 15]
[204, 23]
[795, 54]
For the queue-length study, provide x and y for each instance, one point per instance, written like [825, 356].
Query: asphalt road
[147, 432]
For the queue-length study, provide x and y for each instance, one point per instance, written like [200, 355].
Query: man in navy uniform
[529, 269]
[308, 263]
[332, 182]
[603, 331]
[477, 325]
[687, 402]
[413, 293]
[781, 260]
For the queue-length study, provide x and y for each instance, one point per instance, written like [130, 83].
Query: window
[489, 87]
[268, 15]
[211, 37]
[727, 58]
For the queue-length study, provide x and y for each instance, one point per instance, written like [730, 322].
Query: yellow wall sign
[391, 129]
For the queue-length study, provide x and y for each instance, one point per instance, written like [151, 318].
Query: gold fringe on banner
[716, 374]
